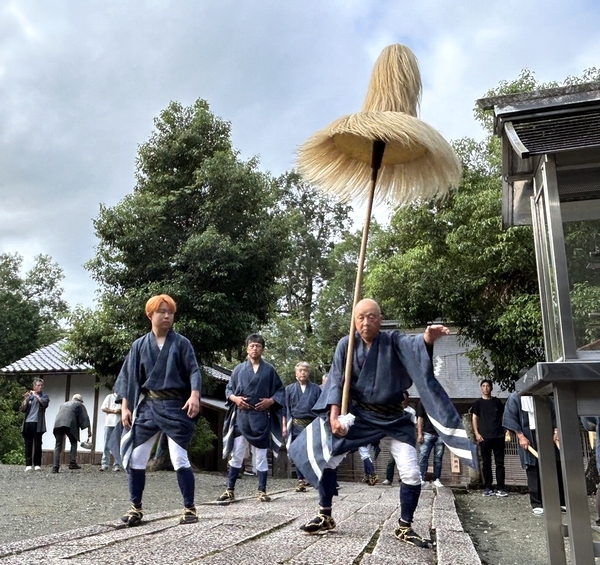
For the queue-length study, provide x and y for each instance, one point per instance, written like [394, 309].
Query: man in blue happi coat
[159, 389]
[384, 366]
[300, 397]
[255, 396]
[519, 417]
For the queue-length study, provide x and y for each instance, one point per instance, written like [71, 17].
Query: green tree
[287, 339]
[314, 222]
[32, 307]
[202, 226]
[452, 260]
[31, 312]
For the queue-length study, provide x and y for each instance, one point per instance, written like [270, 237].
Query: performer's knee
[262, 464]
[238, 453]
[179, 456]
[410, 476]
[406, 459]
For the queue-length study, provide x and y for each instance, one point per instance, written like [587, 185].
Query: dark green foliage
[202, 440]
[201, 226]
[452, 260]
[299, 329]
[31, 306]
[31, 310]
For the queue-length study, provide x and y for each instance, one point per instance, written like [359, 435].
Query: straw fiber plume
[417, 162]
[395, 84]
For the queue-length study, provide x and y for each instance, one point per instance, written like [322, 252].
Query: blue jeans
[108, 431]
[430, 442]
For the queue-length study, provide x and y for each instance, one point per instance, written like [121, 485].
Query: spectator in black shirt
[487, 424]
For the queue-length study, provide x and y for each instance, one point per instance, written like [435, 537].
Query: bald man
[384, 366]
[300, 397]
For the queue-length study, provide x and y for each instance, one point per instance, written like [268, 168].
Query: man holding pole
[384, 365]
[519, 417]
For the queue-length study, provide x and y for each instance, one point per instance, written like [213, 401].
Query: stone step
[250, 532]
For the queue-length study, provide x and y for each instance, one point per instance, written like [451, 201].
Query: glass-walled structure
[551, 181]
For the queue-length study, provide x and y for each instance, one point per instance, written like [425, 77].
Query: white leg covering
[260, 459]
[405, 456]
[141, 454]
[365, 452]
[179, 456]
[238, 452]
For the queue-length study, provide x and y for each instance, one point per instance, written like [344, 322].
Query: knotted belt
[301, 422]
[384, 409]
[167, 394]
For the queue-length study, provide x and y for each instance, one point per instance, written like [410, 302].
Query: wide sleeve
[277, 389]
[127, 385]
[288, 402]
[232, 383]
[191, 366]
[510, 419]
[84, 419]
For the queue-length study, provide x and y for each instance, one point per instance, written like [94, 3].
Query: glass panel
[582, 243]
[548, 289]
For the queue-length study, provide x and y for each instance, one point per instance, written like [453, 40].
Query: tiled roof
[218, 372]
[49, 359]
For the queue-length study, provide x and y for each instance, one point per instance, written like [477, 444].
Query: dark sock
[137, 482]
[409, 499]
[327, 487]
[262, 480]
[232, 476]
[185, 478]
[369, 467]
[325, 511]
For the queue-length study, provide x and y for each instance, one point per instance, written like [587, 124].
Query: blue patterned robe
[380, 374]
[299, 405]
[146, 367]
[262, 429]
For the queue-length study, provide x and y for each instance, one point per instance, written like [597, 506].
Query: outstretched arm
[434, 332]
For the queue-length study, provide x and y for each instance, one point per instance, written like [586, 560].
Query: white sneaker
[438, 483]
[386, 482]
[538, 511]
[28, 468]
[423, 483]
[37, 468]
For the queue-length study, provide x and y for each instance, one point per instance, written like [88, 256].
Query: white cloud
[81, 82]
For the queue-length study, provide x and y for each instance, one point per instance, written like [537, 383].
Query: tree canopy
[315, 223]
[202, 226]
[32, 310]
[452, 261]
[32, 306]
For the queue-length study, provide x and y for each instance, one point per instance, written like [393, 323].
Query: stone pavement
[249, 532]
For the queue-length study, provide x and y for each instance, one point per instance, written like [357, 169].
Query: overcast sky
[82, 81]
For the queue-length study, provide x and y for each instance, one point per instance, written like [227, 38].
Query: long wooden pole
[378, 149]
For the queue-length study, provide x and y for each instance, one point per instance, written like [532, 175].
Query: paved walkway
[252, 533]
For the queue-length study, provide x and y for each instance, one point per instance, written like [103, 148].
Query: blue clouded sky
[81, 82]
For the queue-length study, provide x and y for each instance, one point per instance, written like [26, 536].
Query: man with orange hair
[159, 388]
